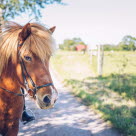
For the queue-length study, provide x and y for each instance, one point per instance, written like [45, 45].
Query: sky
[94, 21]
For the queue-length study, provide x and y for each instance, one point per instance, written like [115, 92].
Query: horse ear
[26, 31]
[52, 29]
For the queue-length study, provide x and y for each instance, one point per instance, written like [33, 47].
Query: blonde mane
[40, 42]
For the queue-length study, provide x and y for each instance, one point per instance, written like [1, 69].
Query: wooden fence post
[100, 58]
[91, 56]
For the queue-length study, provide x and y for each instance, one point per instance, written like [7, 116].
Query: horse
[25, 52]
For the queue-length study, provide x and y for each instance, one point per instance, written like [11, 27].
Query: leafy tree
[69, 44]
[78, 41]
[132, 46]
[66, 44]
[128, 43]
[11, 8]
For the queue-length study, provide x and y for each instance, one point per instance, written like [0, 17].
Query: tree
[128, 43]
[78, 41]
[69, 44]
[11, 8]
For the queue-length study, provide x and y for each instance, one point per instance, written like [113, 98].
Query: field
[113, 95]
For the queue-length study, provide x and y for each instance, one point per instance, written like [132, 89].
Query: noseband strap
[45, 85]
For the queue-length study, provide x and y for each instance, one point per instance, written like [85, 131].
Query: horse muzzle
[48, 100]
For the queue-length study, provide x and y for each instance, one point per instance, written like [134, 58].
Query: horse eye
[28, 58]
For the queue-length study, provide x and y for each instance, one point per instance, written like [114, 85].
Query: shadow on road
[67, 118]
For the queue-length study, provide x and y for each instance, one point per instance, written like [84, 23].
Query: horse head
[34, 52]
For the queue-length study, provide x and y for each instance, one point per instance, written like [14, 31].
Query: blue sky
[95, 21]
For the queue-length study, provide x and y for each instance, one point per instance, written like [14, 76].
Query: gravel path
[68, 118]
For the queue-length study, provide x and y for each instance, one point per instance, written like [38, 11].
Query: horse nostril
[55, 100]
[46, 99]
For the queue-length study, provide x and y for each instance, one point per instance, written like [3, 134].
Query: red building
[81, 47]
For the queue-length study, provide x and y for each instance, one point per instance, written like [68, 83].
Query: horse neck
[9, 80]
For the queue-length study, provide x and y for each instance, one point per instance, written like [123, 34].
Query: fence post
[100, 58]
[91, 56]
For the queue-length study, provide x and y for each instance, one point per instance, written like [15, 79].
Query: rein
[24, 71]
[17, 94]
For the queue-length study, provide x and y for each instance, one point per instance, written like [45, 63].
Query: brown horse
[24, 62]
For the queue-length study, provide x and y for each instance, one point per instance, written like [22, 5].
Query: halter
[24, 71]
[35, 87]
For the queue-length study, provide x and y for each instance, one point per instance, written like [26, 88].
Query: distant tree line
[128, 43]
[70, 44]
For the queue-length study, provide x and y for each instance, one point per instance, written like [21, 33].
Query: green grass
[124, 84]
[119, 63]
[113, 95]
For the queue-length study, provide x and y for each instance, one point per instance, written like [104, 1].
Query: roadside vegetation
[113, 95]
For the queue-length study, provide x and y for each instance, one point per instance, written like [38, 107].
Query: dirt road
[68, 118]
